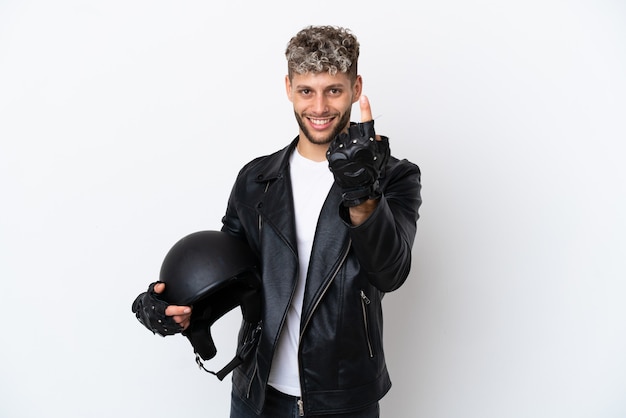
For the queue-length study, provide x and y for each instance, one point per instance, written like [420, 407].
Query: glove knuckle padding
[150, 311]
[357, 159]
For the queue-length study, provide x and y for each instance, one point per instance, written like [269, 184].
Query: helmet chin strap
[199, 331]
[243, 352]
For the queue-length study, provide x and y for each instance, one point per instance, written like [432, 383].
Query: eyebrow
[332, 86]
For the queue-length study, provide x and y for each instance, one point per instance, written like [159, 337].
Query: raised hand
[357, 159]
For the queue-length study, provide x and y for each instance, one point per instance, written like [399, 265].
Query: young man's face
[322, 103]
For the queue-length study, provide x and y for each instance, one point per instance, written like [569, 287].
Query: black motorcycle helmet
[214, 273]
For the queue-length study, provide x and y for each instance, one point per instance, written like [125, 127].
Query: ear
[357, 88]
[288, 88]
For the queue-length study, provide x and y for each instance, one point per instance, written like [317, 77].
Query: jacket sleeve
[383, 243]
[240, 219]
[231, 223]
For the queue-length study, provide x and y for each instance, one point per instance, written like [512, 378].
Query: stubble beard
[345, 119]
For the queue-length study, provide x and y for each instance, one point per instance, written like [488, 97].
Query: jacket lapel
[331, 240]
[276, 207]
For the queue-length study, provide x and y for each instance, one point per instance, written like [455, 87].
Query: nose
[320, 104]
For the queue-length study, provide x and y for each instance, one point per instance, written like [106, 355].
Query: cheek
[299, 106]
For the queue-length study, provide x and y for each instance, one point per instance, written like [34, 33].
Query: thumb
[159, 287]
[366, 111]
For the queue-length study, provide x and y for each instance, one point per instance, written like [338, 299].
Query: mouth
[320, 123]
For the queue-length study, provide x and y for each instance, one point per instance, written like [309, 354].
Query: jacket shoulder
[267, 166]
[401, 167]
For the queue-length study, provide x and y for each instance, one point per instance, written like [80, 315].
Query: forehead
[320, 80]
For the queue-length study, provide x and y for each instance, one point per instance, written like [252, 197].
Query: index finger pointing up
[366, 111]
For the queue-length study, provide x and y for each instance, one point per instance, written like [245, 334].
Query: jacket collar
[276, 168]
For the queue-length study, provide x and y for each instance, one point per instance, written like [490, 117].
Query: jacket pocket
[366, 324]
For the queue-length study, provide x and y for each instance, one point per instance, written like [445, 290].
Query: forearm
[383, 249]
[384, 239]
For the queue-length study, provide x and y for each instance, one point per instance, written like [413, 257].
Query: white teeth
[319, 122]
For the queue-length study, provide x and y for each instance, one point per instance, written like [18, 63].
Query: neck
[311, 151]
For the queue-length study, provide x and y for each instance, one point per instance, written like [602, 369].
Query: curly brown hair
[318, 49]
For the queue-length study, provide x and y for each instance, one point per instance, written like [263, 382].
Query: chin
[321, 141]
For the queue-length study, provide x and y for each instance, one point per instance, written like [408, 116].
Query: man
[331, 243]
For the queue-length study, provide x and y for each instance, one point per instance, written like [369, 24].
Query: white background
[124, 123]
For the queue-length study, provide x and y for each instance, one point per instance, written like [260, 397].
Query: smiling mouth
[320, 122]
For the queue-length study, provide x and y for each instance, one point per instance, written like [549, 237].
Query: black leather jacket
[342, 364]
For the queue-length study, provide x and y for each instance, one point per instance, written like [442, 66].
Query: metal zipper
[260, 223]
[251, 380]
[300, 408]
[366, 301]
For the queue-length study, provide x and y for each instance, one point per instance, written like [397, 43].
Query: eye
[305, 92]
[334, 92]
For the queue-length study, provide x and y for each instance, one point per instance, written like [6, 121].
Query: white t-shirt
[310, 182]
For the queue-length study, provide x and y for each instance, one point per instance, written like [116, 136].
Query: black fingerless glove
[150, 311]
[357, 161]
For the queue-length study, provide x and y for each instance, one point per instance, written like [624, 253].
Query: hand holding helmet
[159, 316]
[214, 272]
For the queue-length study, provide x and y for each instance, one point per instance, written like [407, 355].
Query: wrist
[360, 213]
